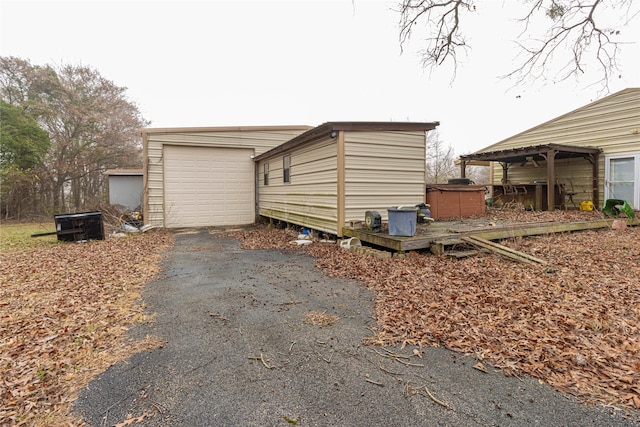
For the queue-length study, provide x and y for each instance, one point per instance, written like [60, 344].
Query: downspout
[341, 214]
[145, 178]
[424, 172]
[256, 188]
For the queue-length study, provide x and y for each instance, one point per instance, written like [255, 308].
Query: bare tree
[91, 124]
[478, 174]
[440, 160]
[578, 26]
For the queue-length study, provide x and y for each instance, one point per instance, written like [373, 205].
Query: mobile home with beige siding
[334, 173]
[205, 176]
[611, 125]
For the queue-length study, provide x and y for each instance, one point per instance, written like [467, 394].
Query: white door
[205, 186]
[623, 179]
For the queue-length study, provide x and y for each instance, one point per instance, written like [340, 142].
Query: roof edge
[122, 172]
[325, 129]
[223, 129]
[534, 150]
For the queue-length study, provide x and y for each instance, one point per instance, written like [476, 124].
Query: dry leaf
[130, 420]
[480, 367]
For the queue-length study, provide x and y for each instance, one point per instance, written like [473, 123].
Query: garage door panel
[206, 186]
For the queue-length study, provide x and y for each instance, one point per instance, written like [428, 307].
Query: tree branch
[576, 28]
[577, 35]
[444, 18]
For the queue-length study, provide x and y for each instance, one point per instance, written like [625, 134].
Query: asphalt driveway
[239, 352]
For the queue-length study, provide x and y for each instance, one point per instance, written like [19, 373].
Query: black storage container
[77, 227]
[459, 181]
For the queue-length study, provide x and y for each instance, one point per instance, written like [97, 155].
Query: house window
[286, 168]
[622, 178]
[266, 173]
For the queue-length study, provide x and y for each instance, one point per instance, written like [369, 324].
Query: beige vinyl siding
[383, 169]
[611, 124]
[310, 199]
[260, 139]
[606, 123]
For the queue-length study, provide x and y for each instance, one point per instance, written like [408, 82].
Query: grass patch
[18, 236]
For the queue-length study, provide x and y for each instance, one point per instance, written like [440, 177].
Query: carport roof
[537, 152]
[327, 128]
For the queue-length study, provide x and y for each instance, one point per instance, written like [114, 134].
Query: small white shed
[125, 188]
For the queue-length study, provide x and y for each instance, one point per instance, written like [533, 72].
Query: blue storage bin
[402, 220]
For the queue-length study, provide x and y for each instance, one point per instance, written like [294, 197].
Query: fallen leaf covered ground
[65, 309]
[574, 324]
[64, 312]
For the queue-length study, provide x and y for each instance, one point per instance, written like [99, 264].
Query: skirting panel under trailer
[440, 239]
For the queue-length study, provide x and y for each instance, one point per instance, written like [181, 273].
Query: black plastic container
[77, 227]
[459, 181]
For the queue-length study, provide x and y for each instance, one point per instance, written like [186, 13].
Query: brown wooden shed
[456, 201]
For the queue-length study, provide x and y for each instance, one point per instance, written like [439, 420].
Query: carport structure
[539, 154]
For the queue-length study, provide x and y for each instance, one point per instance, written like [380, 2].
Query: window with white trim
[622, 178]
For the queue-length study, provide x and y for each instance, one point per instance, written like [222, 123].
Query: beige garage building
[197, 177]
[320, 177]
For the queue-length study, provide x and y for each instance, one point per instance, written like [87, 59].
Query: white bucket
[348, 243]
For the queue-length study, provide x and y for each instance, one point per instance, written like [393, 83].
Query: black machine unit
[424, 213]
[77, 227]
[372, 220]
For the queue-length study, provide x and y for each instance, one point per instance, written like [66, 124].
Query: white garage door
[206, 186]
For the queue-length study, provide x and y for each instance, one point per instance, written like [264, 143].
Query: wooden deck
[441, 235]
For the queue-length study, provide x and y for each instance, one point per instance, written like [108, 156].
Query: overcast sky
[219, 63]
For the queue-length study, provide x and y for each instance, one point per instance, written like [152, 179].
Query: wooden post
[463, 169]
[505, 173]
[551, 179]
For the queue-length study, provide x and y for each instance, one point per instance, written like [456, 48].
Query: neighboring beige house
[334, 173]
[592, 153]
[205, 176]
